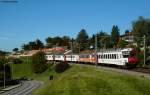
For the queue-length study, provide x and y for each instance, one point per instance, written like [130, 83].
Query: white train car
[49, 57]
[59, 57]
[72, 58]
[120, 57]
[116, 57]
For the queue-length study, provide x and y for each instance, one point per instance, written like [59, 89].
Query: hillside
[86, 80]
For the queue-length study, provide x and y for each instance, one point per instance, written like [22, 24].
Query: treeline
[83, 41]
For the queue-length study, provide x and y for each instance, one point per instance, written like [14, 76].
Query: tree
[25, 47]
[122, 43]
[65, 41]
[103, 40]
[7, 69]
[115, 35]
[140, 28]
[92, 41]
[15, 49]
[33, 45]
[39, 62]
[82, 39]
[2, 53]
[49, 43]
[39, 44]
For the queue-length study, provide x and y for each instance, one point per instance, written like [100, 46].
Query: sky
[28, 20]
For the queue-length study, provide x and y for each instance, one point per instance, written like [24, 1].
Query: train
[120, 57]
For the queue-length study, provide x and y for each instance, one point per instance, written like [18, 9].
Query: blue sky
[28, 20]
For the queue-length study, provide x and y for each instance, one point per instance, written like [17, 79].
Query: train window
[99, 56]
[114, 56]
[73, 56]
[125, 56]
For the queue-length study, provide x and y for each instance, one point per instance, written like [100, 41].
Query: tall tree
[82, 39]
[25, 47]
[115, 35]
[140, 28]
[103, 40]
[39, 44]
[65, 41]
[92, 41]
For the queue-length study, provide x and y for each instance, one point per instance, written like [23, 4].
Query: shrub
[17, 61]
[9, 82]
[39, 62]
[61, 67]
[7, 72]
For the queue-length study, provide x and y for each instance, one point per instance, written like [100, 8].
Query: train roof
[115, 50]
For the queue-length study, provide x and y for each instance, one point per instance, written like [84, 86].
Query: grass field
[85, 80]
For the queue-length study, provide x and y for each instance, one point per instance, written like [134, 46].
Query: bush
[61, 67]
[39, 62]
[7, 72]
[9, 82]
[17, 61]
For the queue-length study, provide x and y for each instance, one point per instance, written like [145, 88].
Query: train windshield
[126, 54]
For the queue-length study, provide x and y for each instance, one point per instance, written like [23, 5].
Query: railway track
[142, 70]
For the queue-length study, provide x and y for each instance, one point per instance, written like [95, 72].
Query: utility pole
[4, 75]
[144, 50]
[71, 48]
[96, 49]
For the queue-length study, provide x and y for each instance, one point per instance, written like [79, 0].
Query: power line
[9, 1]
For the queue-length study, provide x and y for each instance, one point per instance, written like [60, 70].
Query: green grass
[85, 80]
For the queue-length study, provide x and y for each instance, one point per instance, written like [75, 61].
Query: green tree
[15, 49]
[140, 28]
[33, 45]
[82, 39]
[25, 47]
[103, 40]
[115, 35]
[39, 62]
[92, 41]
[39, 44]
[65, 41]
[122, 43]
[7, 69]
